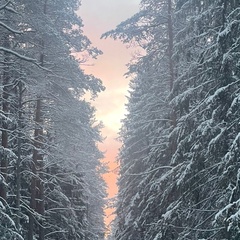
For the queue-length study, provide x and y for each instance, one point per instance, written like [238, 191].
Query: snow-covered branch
[5, 5]
[28, 59]
[9, 28]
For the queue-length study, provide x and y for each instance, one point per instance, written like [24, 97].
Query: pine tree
[185, 185]
[146, 150]
[42, 86]
[194, 190]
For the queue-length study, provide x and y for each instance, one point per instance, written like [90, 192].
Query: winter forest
[179, 174]
[50, 182]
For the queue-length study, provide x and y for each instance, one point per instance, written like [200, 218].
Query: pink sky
[98, 17]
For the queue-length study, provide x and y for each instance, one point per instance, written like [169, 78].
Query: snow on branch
[148, 172]
[4, 5]
[10, 9]
[9, 28]
[18, 55]
[28, 59]
[54, 232]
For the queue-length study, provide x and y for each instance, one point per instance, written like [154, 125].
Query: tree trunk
[170, 45]
[173, 117]
[40, 186]
[5, 109]
[37, 197]
[19, 146]
[37, 146]
[41, 208]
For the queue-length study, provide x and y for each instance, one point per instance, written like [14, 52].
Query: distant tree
[147, 148]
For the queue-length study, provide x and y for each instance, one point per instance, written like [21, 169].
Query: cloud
[107, 13]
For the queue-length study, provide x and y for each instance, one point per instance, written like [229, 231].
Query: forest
[50, 169]
[179, 162]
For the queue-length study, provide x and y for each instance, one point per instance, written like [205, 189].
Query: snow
[18, 55]
[169, 213]
[225, 209]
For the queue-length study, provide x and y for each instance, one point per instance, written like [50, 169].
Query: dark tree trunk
[19, 146]
[5, 109]
[37, 146]
[170, 45]
[41, 208]
[173, 117]
[37, 184]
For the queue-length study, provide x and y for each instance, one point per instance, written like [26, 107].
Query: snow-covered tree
[204, 94]
[49, 135]
[146, 149]
[179, 179]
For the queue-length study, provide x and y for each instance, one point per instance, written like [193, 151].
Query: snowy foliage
[179, 176]
[51, 185]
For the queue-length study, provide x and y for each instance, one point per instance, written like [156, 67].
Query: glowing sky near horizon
[100, 16]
